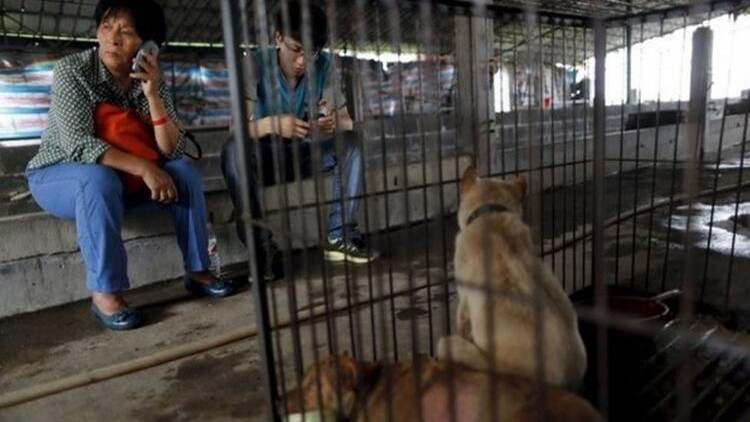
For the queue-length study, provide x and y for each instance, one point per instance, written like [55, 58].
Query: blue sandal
[126, 319]
[217, 288]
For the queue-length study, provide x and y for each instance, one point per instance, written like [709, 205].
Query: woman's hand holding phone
[146, 68]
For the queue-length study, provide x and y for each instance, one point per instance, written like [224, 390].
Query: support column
[700, 78]
[629, 63]
[629, 58]
[700, 85]
[598, 243]
[474, 107]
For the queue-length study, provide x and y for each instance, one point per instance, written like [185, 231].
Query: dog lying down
[362, 394]
[498, 277]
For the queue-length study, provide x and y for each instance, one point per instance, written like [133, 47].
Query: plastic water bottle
[214, 258]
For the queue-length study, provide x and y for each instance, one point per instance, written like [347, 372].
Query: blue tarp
[199, 88]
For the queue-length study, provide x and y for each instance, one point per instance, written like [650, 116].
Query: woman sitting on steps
[79, 176]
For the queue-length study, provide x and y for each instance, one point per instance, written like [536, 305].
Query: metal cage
[627, 118]
[634, 196]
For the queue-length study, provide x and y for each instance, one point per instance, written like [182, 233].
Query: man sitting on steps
[277, 89]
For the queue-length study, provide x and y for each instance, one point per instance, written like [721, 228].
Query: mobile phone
[147, 46]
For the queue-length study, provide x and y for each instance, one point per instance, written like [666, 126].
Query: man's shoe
[126, 319]
[217, 288]
[353, 250]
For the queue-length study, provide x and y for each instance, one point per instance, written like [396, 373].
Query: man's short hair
[318, 23]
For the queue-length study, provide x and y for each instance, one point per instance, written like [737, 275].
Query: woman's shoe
[217, 288]
[125, 319]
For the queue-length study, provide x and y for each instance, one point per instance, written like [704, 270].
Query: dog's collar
[486, 209]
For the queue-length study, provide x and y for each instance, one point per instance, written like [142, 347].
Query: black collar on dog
[485, 209]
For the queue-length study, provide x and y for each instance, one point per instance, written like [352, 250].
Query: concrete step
[13, 159]
[40, 265]
[408, 124]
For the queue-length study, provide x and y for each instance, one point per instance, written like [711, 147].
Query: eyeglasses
[298, 50]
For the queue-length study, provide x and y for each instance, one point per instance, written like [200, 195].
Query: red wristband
[160, 121]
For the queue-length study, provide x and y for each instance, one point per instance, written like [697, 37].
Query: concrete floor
[223, 384]
[53, 344]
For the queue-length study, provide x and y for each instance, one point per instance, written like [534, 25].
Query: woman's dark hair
[148, 17]
[318, 23]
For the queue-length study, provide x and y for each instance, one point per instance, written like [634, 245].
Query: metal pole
[230, 13]
[629, 56]
[629, 63]
[699, 82]
[704, 43]
[600, 284]
[466, 132]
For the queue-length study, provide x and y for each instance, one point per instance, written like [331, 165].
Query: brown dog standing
[498, 278]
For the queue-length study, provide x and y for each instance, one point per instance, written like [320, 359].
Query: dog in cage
[508, 299]
[342, 388]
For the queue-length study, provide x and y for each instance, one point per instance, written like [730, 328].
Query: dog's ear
[347, 371]
[345, 380]
[469, 179]
[519, 188]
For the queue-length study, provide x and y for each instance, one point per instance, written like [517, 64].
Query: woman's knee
[184, 174]
[102, 180]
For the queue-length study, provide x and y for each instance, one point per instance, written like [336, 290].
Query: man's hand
[289, 126]
[327, 122]
[160, 184]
